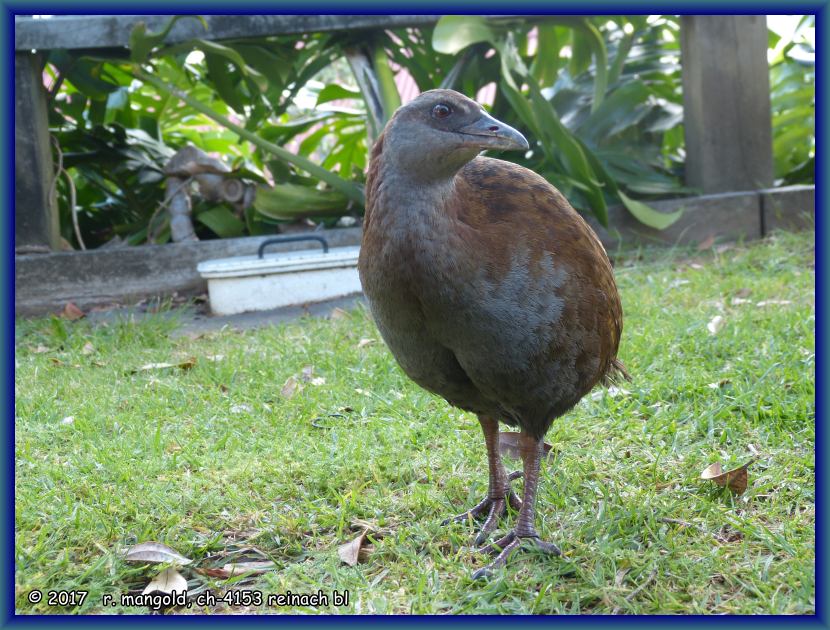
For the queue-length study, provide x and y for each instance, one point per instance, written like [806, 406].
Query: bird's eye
[441, 111]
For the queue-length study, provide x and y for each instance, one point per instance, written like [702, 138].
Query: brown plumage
[488, 288]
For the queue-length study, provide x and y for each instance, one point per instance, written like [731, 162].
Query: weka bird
[487, 286]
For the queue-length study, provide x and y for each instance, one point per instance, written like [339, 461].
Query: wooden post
[726, 101]
[35, 214]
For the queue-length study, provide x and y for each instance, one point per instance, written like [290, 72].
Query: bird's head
[440, 131]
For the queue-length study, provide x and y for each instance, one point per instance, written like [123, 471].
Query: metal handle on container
[292, 239]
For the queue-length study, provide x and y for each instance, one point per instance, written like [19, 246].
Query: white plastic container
[250, 283]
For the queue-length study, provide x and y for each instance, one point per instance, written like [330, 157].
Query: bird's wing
[507, 209]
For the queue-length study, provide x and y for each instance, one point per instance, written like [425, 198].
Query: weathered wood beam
[726, 100]
[35, 211]
[112, 31]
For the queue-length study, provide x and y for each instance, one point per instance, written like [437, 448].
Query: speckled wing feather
[512, 208]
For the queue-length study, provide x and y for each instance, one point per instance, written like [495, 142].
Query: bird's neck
[404, 197]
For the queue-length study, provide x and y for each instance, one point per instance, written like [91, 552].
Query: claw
[506, 547]
[495, 509]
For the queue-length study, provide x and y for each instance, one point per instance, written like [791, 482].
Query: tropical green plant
[600, 98]
[793, 100]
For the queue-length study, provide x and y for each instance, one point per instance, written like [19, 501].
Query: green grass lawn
[222, 456]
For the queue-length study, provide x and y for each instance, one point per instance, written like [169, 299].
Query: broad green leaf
[288, 201]
[274, 67]
[224, 82]
[649, 216]
[83, 73]
[334, 92]
[453, 33]
[142, 42]
[390, 97]
[580, 54]
[547, 61]
[222, 222]
[229, 53]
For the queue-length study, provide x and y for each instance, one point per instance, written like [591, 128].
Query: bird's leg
[525, 530]
[499, 492]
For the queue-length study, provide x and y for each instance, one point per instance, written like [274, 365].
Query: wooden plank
[113, 31]
[35, 213]
[789, 208]
[726, 99]
[45, 283]
[725, 216]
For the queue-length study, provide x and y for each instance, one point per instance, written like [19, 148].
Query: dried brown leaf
[167, 582]
[721, 383]
[365, 342]
[706, 243]
[239, 568]
[289, 388]
[735, 479]
[71, 312]
[182, 365]
[154, 553]
[350, 551]
[509, 445]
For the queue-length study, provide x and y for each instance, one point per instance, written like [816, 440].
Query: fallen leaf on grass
[763, 303]
[289, 388]
[154, 552]
[88, 348]
[721, 383]
[706, 243]
[183, 365]
[40, 349]
[509, 445]
[350, 551]
[167, 582]
[735, 479]
[365, 342]
[318, 380]
[716, 325]
[239, 568]
[71, 312]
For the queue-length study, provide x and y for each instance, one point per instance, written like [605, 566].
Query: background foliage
[600, 98]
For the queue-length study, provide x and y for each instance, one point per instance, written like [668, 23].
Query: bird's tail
[615, 373]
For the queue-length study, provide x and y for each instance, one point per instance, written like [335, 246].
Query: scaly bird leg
[525, 530]
[499, 492]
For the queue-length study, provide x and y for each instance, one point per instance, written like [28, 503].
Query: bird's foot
[506, 546]
[494, 508]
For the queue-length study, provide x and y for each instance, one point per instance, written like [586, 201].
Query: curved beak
[489, 133]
